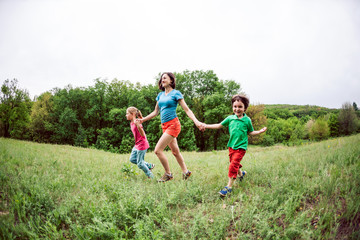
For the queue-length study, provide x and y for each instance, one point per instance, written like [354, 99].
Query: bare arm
[191, 114]
[151, 115]
[141, 130]
[214, 126]
[253, 133]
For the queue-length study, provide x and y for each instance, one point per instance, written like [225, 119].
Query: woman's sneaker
[224, 191]
[166, 177]
[186, 175]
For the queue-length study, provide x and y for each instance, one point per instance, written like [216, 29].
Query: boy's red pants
[235, 157]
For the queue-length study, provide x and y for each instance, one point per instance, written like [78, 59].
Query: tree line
[94, 116]
[295, 124]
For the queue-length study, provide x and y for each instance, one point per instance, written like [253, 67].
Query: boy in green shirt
[239, 127]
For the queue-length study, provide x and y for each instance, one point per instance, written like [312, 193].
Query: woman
[166, 104]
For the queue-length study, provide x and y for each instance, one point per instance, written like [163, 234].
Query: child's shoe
[152, 166]
[241, 175]
[166, 177]
[186, 175]
[225, 190]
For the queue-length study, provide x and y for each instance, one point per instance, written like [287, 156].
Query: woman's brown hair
[172, 78]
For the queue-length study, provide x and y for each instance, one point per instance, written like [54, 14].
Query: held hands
[201, 126]
[138, 121]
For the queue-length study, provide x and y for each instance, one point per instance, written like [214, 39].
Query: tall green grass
[62, 192]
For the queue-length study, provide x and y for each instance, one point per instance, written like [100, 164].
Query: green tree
[15, 107]
[69, 112]
[111, 138]
[357, 111]
[108, 139]
[258, 119]
[355, 106]
[309, 124]
[348, 121]
[277, 112]
[284, 131]
[217, 107]
[319, 130]
[97, 112]
[298, 132]
[275, 131]
[40, 118]
[333, 123]
[68, 127]
[119, 94]
[81, 138]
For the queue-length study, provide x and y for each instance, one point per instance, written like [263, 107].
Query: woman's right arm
[151, 115]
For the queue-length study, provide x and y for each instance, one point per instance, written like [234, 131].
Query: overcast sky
[280, 51]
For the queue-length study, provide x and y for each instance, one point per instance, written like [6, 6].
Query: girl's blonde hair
[136, 111]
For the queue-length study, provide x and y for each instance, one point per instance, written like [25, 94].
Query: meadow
[311, 191]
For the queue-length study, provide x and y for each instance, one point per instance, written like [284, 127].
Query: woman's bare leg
[159, 150]
[173, 145]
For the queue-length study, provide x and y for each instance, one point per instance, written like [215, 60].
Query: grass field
[62, 192]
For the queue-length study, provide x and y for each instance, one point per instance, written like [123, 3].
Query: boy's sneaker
[166, 177]
[241, 176]
[152, 166]
[186, 175]
[224, 191]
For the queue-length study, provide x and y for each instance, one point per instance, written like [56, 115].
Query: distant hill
[294, 107]
[287, 110]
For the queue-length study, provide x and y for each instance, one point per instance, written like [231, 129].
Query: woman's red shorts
[172, 127]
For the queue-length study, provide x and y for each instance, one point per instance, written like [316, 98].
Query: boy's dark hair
[241, 98]
[172, 78]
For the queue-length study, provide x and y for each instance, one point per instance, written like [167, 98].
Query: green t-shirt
[239, 129]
